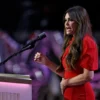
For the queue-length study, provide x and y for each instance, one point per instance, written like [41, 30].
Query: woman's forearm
[77, 80]
[52, 66]
[42, 59]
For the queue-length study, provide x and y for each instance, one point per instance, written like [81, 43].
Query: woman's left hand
[63, 84]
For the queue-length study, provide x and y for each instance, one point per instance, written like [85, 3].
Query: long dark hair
[81, 17]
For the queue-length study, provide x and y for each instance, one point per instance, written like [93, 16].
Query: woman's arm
[40, 58]
[81, 79]
[77, 80]
[52, 66]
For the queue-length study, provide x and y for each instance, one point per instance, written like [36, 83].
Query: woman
[79, 59]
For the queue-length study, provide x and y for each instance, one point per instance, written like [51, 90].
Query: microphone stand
[26, 47]
[16, 53]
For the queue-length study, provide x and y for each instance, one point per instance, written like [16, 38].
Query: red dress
[88, 60]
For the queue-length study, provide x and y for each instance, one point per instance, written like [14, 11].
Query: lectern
[15, 87]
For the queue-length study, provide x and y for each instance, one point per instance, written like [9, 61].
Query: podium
[15, 87]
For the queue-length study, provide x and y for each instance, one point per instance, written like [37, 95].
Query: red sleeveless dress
[88, 60]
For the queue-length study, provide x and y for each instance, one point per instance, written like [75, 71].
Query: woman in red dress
[79, 59]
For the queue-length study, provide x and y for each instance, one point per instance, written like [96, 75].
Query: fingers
[61, 89]
[62, 85]
[37, 56]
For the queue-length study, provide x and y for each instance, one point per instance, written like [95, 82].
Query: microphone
[39, 37]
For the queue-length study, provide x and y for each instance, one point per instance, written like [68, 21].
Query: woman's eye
[70, 19]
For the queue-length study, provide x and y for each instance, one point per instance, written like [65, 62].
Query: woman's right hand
[40, 58]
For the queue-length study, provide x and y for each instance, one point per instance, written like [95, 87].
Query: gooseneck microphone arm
[30, 45]
[15, 54]
[33, 41]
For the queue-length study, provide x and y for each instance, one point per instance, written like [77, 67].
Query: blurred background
[23, 20]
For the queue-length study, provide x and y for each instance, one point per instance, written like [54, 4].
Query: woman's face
[70, 25]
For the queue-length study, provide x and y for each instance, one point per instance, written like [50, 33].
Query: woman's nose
[66, 23]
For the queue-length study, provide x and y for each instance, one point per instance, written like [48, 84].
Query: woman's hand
[63, 84]
[40, 58]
